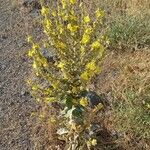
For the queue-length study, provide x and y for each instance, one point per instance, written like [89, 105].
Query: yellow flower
[87, 19]
[85, 39]
[64, 4]
[44, 11]
[61, 65]
[99, 13]
[34, 87]
[84, 102]
[72, 1]
[32, 114]
[34, 65]
[29, 39]
[148, 106]
[60, 29]
[96, 45]
[29, 81]
[66, 17]
[85, 76]
[49, 99]
[45, 64]
[48, 23]
[91, 66]
[94, 142]
[98, 107]
[35, 46]
[54, 14]
[30, 53]
[89, 30]
[72, 28]
[37, 74]
[61, 45]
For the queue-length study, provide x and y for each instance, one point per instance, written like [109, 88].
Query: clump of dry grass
[126, 77]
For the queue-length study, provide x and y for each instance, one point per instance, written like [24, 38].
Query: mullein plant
[78, 45]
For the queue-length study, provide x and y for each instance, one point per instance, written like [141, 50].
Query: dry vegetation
[124, 82]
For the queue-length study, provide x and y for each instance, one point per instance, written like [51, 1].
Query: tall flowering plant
[78, 46]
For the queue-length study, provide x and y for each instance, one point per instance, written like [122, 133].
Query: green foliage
[132, 113]
[130, 32]
[77, 43]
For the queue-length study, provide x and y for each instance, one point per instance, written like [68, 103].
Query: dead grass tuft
[125, 78]
[43, 134]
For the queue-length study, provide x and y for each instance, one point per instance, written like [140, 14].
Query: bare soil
[16, 104]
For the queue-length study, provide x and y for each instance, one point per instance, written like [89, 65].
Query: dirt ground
[16, 103]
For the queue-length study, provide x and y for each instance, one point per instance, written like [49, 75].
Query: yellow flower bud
[96, 45]
[49, 99]
[64, 4]
[34, 65]
[94, 142]
[84, 102]
[72, 28]
[61, 65]
[85, 76]
[54, 14]
[30, 53]
[85, 39]
[99, 13]
[87, 19]
[44, 11]
[48, 23]
[91, 66]
[88, 30]
[72, 1]
[29, 39]
[34, 87]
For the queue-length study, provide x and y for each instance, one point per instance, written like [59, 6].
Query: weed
[78, 47]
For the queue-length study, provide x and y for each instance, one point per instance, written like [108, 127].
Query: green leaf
[68, 102]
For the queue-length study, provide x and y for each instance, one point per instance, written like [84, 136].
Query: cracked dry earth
[16, 103]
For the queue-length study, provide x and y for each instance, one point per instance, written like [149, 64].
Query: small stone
[48, 55]
[93, 98]
[4, 37]
[24, 93]
[2, 67]
[31, 3]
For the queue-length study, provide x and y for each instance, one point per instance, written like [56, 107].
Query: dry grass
[125, 80]
[43, 134]
[128, 6]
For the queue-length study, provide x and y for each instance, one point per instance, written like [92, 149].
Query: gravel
[16, 103]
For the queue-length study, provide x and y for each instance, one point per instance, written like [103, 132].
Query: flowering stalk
[78, 47]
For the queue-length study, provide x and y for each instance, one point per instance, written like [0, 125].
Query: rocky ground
[16, 104]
